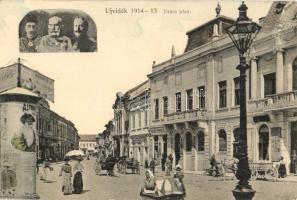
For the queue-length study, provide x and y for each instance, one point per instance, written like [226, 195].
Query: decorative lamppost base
[243, 193]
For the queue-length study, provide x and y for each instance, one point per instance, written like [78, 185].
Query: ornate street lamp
[242, 33]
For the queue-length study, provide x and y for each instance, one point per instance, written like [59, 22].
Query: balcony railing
[188, 115]
[272, 102]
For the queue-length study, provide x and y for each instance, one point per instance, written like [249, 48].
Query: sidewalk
[290, 178]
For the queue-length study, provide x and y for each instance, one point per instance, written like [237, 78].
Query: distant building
[87, 143]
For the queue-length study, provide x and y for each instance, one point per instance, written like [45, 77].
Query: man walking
[153, 165]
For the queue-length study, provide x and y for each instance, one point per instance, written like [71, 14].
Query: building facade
[57, 135]
[138, 107]
[87, 143]
[120, 133]
[195, 95]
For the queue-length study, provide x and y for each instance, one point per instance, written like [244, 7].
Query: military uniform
[28, 46]
[51, 44]
[84, 44]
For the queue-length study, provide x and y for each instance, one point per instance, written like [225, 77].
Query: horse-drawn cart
[127, 163]
[107, 165]
[263, 170]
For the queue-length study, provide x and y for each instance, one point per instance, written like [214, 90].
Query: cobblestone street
[127, 187]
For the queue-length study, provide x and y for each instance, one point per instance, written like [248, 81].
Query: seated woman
[180, 176]
[149, 182]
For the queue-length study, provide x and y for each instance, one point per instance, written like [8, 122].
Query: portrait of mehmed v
[24, 138]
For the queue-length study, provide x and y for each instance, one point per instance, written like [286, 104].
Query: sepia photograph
[148, 100]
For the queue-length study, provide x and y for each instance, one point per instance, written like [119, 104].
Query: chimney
[261, 20]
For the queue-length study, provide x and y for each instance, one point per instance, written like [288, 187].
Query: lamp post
[242, 34]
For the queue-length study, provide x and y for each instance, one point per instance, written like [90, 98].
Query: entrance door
[293, 147]
[177, 148]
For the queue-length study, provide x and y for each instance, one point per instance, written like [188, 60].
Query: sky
[86, 83]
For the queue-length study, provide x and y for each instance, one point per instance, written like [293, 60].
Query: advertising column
[18, 150]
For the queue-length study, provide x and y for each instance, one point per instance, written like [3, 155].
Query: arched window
[200, 139]
[189, 142]
[294, 73]
[235, 142]
[263, 143]
[222, 140]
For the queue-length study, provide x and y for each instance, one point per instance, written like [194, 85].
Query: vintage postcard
[132, 100]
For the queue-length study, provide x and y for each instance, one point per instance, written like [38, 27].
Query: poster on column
[157, 81]
[18, 143]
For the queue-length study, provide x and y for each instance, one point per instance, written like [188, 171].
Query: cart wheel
[214, 173]
[271, 174]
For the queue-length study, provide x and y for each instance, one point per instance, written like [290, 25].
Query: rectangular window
[145, 117]
[139, 119]
[133, 120]
[201, 97]
[156, 108]
[189, 99]
[222, 94]
[178, 102]
[165, 80]
[269, 84]
[165, 105]
[236, 91]
[178, 78]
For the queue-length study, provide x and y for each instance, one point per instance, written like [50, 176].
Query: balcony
[188, 115]
[280, 101]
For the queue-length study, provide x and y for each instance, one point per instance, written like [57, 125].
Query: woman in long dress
[97, 166]
[77, 180]
[66, 173]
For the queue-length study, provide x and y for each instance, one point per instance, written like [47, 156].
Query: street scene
[128, 186]
[172, 104]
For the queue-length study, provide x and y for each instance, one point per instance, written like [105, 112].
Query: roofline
[208, 22]
[137, 86]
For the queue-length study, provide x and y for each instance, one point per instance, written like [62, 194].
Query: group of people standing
[166, 164]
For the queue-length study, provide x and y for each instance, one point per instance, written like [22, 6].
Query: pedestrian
[45, 170]
[153, 165]
[97, 166]
[163, 161]
[294, 162]
[149, 182]
[180, 176]
[66, 173]
[282, 172]
[168, 166]
[170, 157]
[78, 179]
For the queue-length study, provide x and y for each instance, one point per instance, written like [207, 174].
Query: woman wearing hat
[66, 173]
[78, 179]
[180, 176]
[24, 139]
[149, 182]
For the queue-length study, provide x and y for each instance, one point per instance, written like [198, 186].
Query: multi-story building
[87, 143]
[195, 95]
[138, 107]
[121, 125]
[57, 135]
